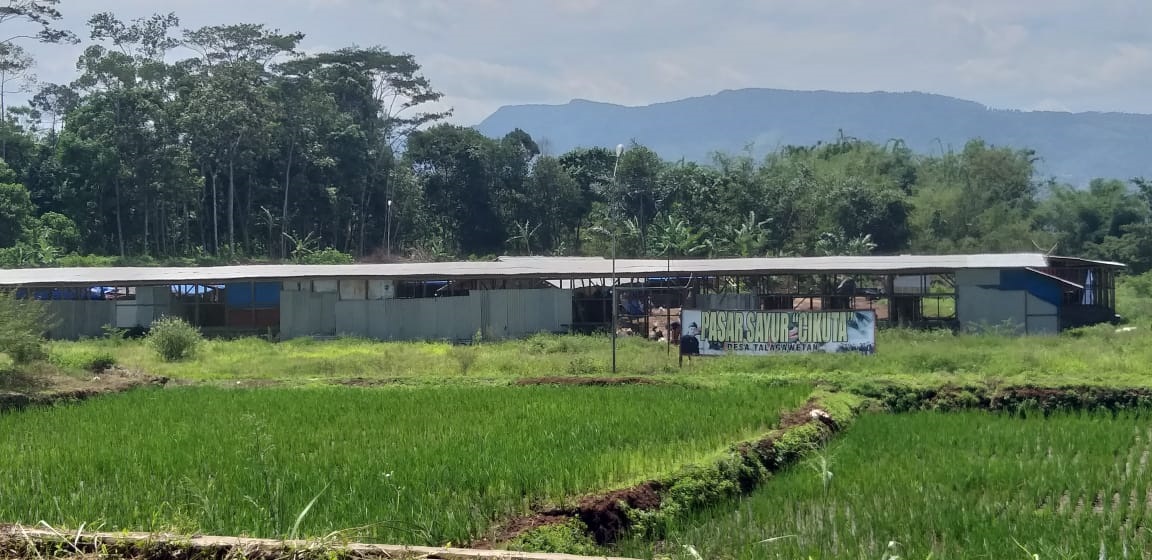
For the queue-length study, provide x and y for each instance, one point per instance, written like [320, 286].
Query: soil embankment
[20, 391]
[589, 381]
[607, 516]
[645, 506]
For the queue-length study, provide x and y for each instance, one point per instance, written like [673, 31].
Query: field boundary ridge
[898, 398]
[648, 506]
[17, 541]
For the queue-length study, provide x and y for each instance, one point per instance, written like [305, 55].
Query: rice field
[935, 485]
[402, 465]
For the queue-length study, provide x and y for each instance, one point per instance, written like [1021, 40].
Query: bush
[570, 537]
[465, 357]
[581, 366]
[84, 359]
[174, 339]
[22, 326]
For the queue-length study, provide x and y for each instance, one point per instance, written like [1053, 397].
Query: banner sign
[774, 332]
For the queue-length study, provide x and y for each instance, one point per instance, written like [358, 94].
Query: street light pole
[388, 228]
[615, 287]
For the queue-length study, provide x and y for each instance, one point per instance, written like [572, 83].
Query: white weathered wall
[151, 303]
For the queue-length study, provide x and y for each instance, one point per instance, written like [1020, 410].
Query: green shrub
[86, 359]
[326, 256]
[570, 537]
[174, 339]
[23, 323]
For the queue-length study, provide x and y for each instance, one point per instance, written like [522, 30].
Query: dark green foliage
[174, 339]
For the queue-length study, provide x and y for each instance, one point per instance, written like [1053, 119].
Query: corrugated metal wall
[74, 319]
[496, 314]
[80, 318]
[983, 300]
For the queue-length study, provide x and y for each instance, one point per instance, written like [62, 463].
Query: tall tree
[591, 169]
[15, 64]
[455, 164]
[228, 112]
[388, 99]
[126, 78]
[40, 15]
[55, 101]
[637, 194]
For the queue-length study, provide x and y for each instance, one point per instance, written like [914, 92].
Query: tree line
[227, 143]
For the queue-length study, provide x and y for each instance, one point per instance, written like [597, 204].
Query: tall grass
[1098, 356]
[970, 485]
[411, 465]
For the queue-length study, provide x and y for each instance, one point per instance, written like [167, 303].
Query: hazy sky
[1027, 54]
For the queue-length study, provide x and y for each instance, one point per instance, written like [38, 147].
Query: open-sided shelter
[515, 296]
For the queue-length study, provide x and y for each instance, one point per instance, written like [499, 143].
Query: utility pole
[615, 287]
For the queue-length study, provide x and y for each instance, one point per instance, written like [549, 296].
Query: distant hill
[1074, 147]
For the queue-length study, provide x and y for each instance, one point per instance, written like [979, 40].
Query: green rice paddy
[402, 465]
[936, 485]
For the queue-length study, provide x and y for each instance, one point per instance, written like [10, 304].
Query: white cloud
[486, 53]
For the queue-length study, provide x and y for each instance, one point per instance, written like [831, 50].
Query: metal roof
[1076, 261]
[512, 267]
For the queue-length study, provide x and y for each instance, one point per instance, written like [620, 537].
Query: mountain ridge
[1073, 147]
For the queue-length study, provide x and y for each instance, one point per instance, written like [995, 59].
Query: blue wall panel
[1043, 287]
[240, 294]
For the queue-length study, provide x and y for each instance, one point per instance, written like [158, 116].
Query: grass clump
[566, 538]
[465, 357]
[88, 359]
[23, 323]
[174, 339]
